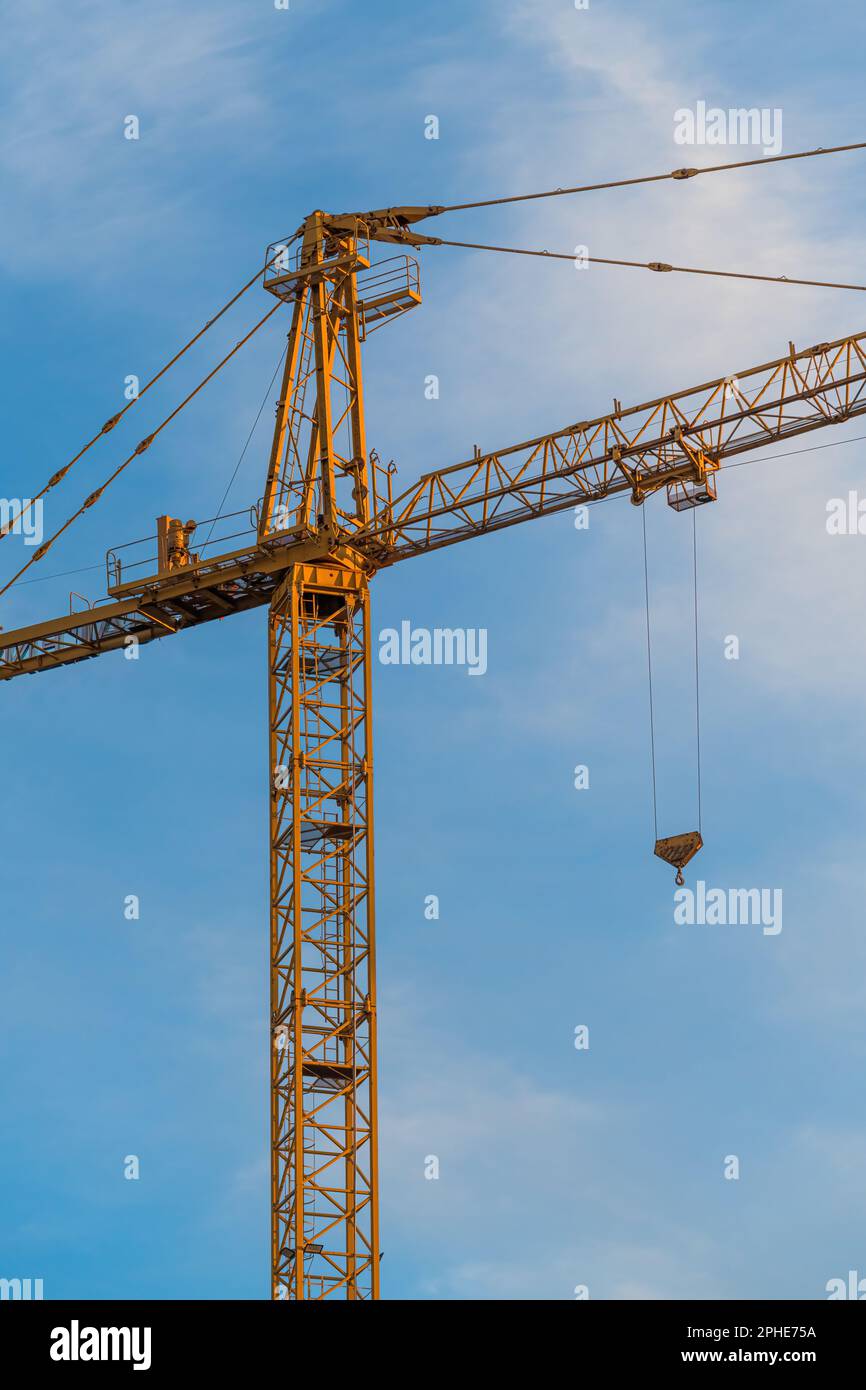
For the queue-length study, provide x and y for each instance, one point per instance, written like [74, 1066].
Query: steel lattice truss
[676, 441]
[323, 1113]
[318, 464]
[323, 530]
[672, 441]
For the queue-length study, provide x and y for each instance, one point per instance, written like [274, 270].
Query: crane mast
[326, 523]
[325, 1223]
[322, 932]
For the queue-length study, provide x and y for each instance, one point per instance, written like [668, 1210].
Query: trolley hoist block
[677, 850]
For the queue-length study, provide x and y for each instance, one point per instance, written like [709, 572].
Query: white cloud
[549, 344]
[74, 187]
[540, 1179]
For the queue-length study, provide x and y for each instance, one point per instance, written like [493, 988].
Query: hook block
[677, 850]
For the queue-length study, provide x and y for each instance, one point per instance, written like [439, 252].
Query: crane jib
[641, 448]
[328, 520]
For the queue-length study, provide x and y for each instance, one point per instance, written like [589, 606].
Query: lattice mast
[325, 1236]
[327, 522]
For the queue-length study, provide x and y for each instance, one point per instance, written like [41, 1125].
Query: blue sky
[558, 1167]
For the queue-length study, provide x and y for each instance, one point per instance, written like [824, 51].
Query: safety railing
[136, 561]
[284, 263]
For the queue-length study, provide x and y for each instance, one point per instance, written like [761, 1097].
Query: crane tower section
[321, 484]
[323, 1096]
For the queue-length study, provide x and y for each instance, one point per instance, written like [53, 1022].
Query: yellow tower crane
[328, 521]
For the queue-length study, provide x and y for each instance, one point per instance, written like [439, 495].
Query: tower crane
[328, 521]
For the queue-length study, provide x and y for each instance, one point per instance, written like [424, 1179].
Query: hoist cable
[650, 675]
[650, 671]
[658, 266]
[110, 424]
[218, 516]
[651, 178]
[139, 449]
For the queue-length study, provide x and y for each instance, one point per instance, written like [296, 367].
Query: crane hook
[678, 850]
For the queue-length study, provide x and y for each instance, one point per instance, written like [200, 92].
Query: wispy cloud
[74, 187]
